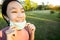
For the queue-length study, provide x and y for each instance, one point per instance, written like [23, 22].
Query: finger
[32, 27]
[28, 24]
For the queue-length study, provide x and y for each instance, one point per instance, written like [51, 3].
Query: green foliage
[29, 5]
[0, 7]
[52, 12]
[33, 5]
[59, 15]
[39, 7]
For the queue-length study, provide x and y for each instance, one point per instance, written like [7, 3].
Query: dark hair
[4, 8]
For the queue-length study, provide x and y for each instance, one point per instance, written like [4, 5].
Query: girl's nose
[20, 15]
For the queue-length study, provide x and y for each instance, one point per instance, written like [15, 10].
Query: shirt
[19, 34]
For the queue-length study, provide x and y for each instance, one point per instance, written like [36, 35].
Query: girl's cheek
[12, 17]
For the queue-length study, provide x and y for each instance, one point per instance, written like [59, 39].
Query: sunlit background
[53, 2]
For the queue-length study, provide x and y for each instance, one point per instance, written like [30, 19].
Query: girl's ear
[6, 18]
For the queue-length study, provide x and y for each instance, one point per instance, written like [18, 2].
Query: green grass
[47, 25]
[2, 22]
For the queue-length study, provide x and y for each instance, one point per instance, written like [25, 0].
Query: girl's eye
[22, 11]
[14, 11]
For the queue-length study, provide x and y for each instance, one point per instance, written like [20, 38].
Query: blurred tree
[33, 5]
[39, 7]
[43, 6]
[28, 5]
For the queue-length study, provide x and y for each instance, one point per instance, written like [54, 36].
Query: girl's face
[15, 12]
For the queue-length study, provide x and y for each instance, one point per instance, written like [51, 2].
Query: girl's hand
[31, 28]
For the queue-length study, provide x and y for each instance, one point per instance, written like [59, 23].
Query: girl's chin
[19, 21]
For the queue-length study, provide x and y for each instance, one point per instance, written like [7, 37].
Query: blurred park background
[46, 18]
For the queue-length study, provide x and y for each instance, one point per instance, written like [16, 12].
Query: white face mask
[18, 25]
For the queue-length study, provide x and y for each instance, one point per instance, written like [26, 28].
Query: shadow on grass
[45, 30]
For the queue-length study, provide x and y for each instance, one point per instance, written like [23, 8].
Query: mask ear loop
[11, 25]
